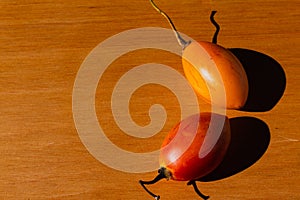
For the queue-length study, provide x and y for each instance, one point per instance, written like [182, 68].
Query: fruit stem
[162, 173]
[193, 183]
[215, 37]
[180, 40]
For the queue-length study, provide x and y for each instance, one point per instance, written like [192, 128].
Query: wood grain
[43, 44]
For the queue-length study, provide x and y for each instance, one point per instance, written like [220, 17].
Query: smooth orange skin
[199, 59]
[189, 166]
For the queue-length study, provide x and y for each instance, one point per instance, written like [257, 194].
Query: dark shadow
[250, 138]
[266, 79]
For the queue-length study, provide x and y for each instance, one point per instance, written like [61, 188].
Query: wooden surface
[43, 44]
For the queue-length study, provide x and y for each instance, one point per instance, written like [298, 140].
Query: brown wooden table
[43, 44]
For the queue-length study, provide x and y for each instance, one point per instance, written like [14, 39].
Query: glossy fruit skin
[229, 80]
[187, 140]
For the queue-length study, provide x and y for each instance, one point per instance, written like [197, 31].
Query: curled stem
[183, 43]
[193, 183]
[161, 175]
[212, 19]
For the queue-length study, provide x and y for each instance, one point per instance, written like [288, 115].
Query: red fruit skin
[187, 139]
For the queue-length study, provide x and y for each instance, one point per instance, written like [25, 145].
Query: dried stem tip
[180, 40]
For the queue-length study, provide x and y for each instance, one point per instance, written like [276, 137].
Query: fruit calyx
[164, 173]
